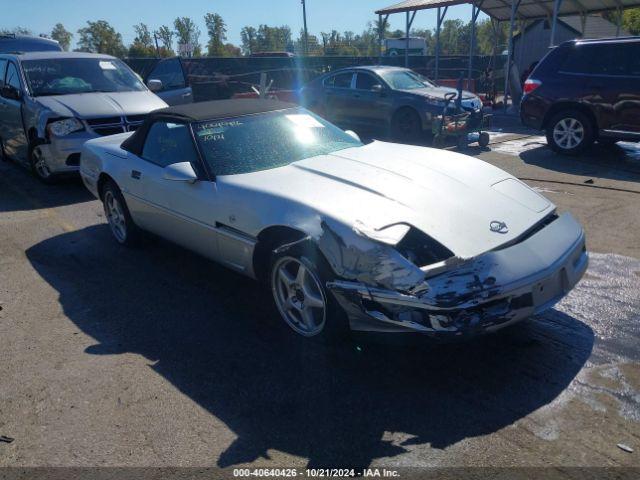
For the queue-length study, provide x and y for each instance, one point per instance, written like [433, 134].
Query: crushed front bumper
[484, 294]
[63, 153]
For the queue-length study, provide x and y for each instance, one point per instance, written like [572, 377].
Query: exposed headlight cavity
[422, 250]
[62, 128]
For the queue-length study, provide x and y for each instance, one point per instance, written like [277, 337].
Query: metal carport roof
[501, 10]
[527, 10]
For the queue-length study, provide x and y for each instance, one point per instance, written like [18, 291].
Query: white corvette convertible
[379, 237]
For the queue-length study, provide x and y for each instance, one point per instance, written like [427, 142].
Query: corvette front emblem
[498, 227]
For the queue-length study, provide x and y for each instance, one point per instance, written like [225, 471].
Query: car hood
[453, 198]
[439, 92]
[99, 104]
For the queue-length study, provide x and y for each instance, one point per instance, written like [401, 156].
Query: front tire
[39, 163]
[118, 217]
[298, 285]
[570, 132]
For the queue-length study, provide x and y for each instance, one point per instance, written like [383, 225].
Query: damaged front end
[382, 289]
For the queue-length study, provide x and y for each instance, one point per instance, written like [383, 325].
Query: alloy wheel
[40, 164]
[299, 296]
[568, 133]
[115, 216]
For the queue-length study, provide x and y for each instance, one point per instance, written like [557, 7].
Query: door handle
[136, 175]
[185, 95]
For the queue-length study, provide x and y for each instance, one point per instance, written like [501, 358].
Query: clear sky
[322, 15]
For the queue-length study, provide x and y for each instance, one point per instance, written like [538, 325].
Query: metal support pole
[475, 11]
[406, 45]
[554, 21]
[380, 39]
[619, 22]
[514, 8]
[438, 29]
[520, 56]
[306, 32]
[438, 24]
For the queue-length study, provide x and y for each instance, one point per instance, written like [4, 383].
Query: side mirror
[11, 93]
[353, 135]
[180, 172]
[154, 85]
[377, 88]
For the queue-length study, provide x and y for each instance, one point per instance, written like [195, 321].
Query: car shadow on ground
[214, 335]
[20, 190]
[619, 162]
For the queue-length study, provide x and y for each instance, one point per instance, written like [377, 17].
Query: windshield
[405, 80]
[267, 140]
[63, 76]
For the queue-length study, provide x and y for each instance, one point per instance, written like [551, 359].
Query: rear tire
[484, 140]
[570, 132]
[298, 280]
[118, 217]
[406, 125]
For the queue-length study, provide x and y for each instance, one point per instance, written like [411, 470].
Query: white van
[396, 46]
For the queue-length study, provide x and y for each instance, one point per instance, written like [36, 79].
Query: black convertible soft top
[196, 112]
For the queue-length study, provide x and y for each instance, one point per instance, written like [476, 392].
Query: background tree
[143, 44]
[165, 36]
[188, 32]
[62, 36]
[274, 39]
[486, 38]
[217, 31]
[100, 37]
[631, 21]
[249, 38]
[231, 50]
[16, 30]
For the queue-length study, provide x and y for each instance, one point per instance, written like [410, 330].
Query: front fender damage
[383, 291]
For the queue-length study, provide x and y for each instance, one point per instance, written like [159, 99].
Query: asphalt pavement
[155, 357]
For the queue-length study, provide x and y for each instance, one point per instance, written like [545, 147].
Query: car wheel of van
[39, 164]
[302, 299]
[406, 125]
[118, 216]
[569, 132]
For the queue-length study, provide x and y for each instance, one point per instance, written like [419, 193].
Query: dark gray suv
[10, 42]
[389, 99]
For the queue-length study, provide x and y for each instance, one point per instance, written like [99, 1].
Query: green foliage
[217, 31]
[143, 45]
[188, 32]
[486, 33]
[62, 36]
[631, 21]
[165, 38]
[100, 37]
[16, 30]
[249, 39]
